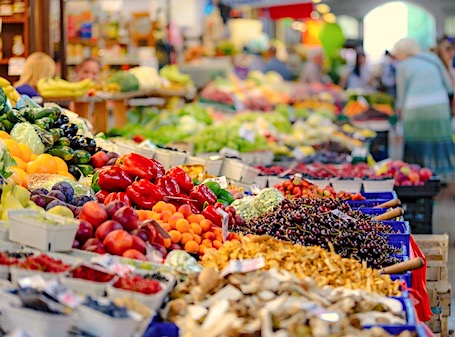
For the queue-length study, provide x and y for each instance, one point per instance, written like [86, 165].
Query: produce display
[43, 263]
[264, 303]
[48, 87]
[138, 284]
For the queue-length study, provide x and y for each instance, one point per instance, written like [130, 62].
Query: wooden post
[119, 113]
[100, 117]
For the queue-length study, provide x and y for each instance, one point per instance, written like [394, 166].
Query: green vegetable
[46, 137]
[127, 81]
[45, 123]
[27, 134]
[64, 152]
[62, 141]
[7, 125]
[224, 202]
[6, 161]
[3, 102]
[86, 169]
[14, 116]
[81, 157]
[226, 196]
[267, 200]
[57, 134]
[214, 186]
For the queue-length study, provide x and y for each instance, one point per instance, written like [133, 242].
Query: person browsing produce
[88, 68]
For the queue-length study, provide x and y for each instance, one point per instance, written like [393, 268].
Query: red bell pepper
[117, 196]
[168, 185]
[139, 166]
[203, 194]
[144, 194]
[101, 196]
[111, 179]
[159, 168]
[211, 214]
[183, 179]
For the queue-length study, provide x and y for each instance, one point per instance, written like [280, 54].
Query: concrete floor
[444, 222]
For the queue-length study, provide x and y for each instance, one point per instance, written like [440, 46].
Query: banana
[4, 82]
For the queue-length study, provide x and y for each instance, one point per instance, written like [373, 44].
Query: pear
[62, 211]
[21, 194]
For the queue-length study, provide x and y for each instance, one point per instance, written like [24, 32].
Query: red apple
[140, 232]
[84, 232]
[415, 167]
[414, 177]
[160, 248]
[113, 207]
[406, 183]
[138, 244]
[134, 254]
[118, 242]
[127, 217]
[93, 212]
[96, 249]
[425, 174]
[151, 232]
[99, 159]
[92, 242]
[400, 178]
[174, 246]
[105, 228]
[76, 244]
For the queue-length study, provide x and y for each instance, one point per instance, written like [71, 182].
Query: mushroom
[208, 279]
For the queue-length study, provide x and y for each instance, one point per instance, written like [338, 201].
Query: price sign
[62, 294]
[34, 282]
[247, 134]
[220, 180]
[15, 66]
[342, 215]
[225, 223]
[107, 261]
[243, 266]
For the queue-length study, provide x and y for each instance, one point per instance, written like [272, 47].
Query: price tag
[107, 262]
[15, 66]
[342, 215]
[220, 180]
[62, 294]
[34, 282]
[225, 223]
[247, 134]
[243, 266]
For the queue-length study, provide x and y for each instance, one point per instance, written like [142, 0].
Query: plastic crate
[419, 213]
[157, 328]
[411, 322]
[373, 211]
[400, 241]
[399, 227]
[405, 277]
[429, 189]
[369, 203]
[380, 195]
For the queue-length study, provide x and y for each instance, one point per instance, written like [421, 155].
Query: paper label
[255, 189]
[220, 180]
[62, 294]
[225, 223]
[107, 261]
[243, 266]
[342, 215]
[247, 134]
[34, 282]
[15, 66]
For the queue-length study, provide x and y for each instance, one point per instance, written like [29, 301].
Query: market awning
[263, 3]
[297, 11]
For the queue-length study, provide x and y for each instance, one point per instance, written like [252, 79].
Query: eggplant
[70, 129]
[63, 119]
[85, 143]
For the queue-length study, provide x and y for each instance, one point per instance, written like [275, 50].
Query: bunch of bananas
[61, 88]
[111, 88]
[10, 92]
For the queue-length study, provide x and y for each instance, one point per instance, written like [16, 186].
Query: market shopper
[312, 71]
[388, 75]
[274, 64]
[36, 67]
[423, 89]
[88, 68]
[360, 76]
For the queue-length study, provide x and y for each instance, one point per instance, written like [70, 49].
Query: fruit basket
[170, 158]
[102, 325]
[430, 189]
[236, 170]
[37, 229]
[380, 195]
[212, 167]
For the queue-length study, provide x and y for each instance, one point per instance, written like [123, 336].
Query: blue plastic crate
[380, 195]
[399, 227]
[411, 323]
[356, 204]
[399, 242]
[161, 329]
[406, 277]
[373, 211]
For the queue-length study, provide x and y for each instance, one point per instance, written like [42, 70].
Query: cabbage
[26, 134]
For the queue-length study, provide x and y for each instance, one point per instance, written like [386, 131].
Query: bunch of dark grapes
[311, 222]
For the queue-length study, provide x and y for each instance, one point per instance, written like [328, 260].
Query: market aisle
[444, 222]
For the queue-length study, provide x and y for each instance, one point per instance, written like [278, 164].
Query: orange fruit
[35, 167]
[48, 161]
[66, 174]
[142, 214]
[185, 210]
[165, 215]
[166, 227]
[217, 244]
[182, 225]
[206, 225]
[207, 243]
[33, 156]
[4, 135]
[159, 206]
[201, 217]
[218, 237]
[233, 236]
[202, 249]
[192, 247]
[61, 164]
[23, 176]
[26, 152]
[191, 231]
[169, 207]
[13, 147]
[176, 236]
[196, 228]
[197, 239]
[193, 218]
[167, 243]
[210, 236]
[185, 238]
[20, 163]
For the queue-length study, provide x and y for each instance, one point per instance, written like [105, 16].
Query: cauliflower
[245, 208]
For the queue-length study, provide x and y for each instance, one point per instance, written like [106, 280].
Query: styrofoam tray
[232, 169]
[212, 167]
[261, 181]
[101, 325]
[378, 185]
[41, 324]
[85, 287]
[154, 301]
[125, 148]
[18, 273]
[4, 230]
[41, 235]
[349, 186]
[170, 158]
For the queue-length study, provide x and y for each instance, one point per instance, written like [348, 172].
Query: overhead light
[329, 17]
[315, 15]
[323, 8]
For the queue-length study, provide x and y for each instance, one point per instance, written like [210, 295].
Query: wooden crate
[435, 247]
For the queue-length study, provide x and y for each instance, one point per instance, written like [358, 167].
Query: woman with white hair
[423, 90]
